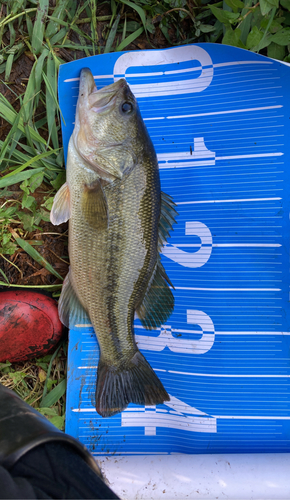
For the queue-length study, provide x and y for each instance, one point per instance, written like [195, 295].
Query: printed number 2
[177, 344]
[195, 259]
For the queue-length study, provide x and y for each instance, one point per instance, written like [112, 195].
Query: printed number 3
[177, 344]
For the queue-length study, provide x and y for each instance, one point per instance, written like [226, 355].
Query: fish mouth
[99, 100]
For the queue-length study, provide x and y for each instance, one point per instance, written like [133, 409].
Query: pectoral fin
[94, 205]
[60, 211]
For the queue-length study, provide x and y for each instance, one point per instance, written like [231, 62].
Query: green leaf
[58, 37]
[233, 37]
[235, 4]
[28, 220]
[48, 203]
[28, 164]
[54, 395]
[44, 215]
[225, 17]
[266, 6]
[282, 37]
[8, 68]
[276, 51]
[206, 28]
[35, 181]
[71, 26]
[59, 13]
[53, 417]
[51, 100]
[16, 5]
[24, 186]
[129, 39]
[60, 158]
[52, 358]
[9, 249]
[52, 92]
[27, 110]
[132, 26]
[254, 38]
[138, 9]
[112, 35]
[29, 26]
[124, 28]
[27, 202]
[50, 383]
[39, 26]
[14, 179]
[5, 277]
[38, 72]
[285, 4]
[51, 412]
[9, 18]
[17, 377]
[9, 137]
[5, 365]
[12, 33]
[9, 115]
[58, 421]
[59, 181]
[274, 3]
[263, 43]
[6, 238]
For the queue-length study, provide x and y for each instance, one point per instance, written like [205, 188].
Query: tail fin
[135, 383]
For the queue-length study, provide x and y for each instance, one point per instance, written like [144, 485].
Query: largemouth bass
[118, 222]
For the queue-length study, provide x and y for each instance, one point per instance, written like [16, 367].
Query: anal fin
[94, 205]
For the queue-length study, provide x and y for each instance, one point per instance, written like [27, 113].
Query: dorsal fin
[158, 302]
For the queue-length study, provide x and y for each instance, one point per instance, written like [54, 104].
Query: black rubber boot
[37, 461]
[22, 428]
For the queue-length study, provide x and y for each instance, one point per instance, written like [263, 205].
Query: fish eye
[127, 108]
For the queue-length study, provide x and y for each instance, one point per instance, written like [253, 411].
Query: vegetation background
[36, 36]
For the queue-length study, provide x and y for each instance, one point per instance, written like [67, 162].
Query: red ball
[29, 325]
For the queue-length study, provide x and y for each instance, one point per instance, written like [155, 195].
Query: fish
[119, 220]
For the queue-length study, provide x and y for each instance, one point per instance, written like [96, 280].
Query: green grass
[41, 383]
[31, 154]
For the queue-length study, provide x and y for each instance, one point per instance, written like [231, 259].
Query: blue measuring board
[219, 119]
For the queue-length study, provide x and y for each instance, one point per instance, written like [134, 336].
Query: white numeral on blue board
[192, 259]
[178, 415]
[178, 344]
